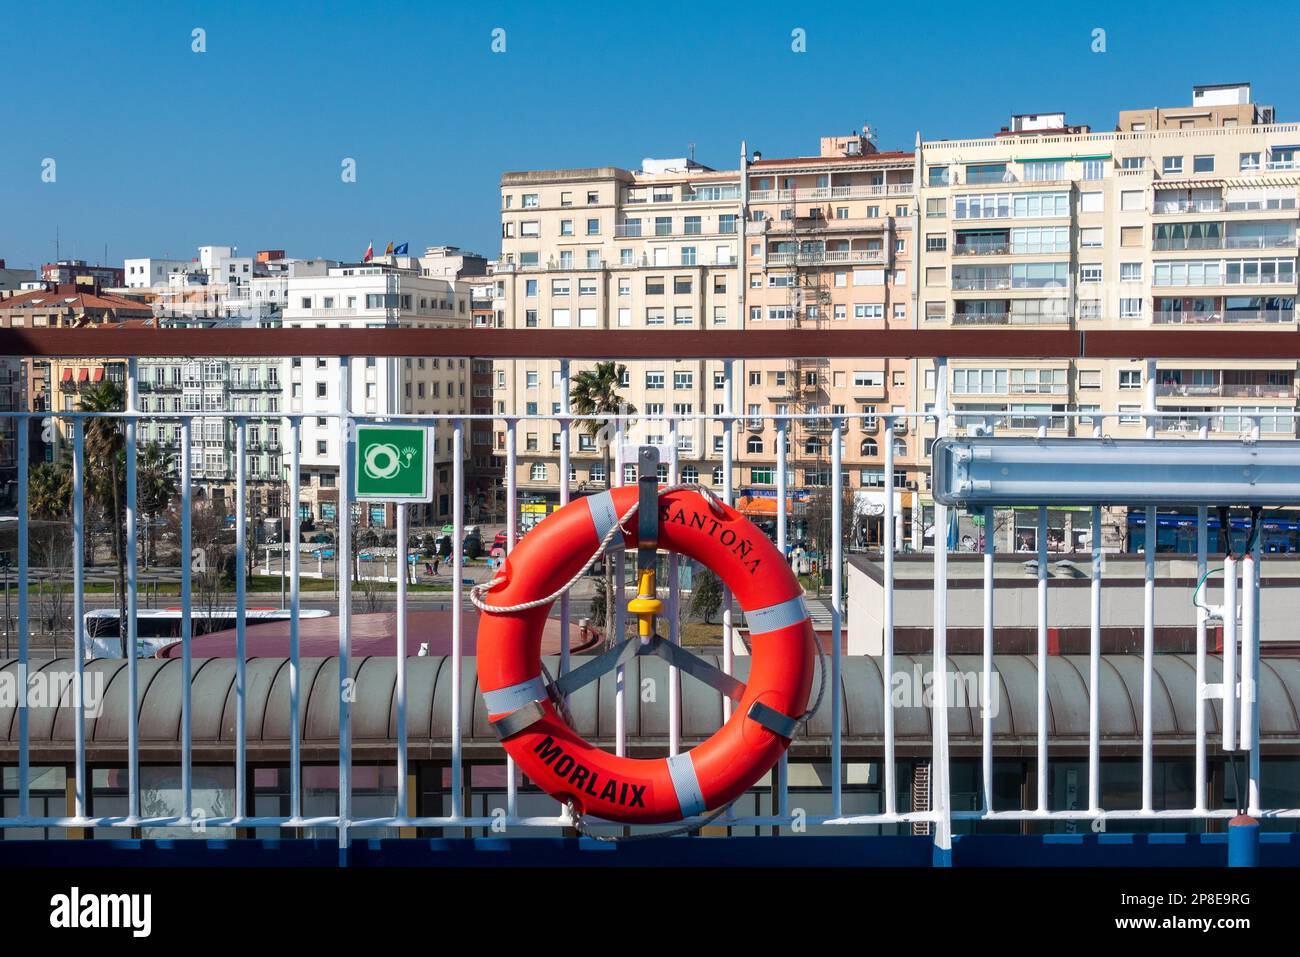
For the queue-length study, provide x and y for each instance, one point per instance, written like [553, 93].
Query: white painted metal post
[566, 386]
[295, 609]
[887, 548]
[782, 498]
[457, 612]
[1094, 668]
[1253, 794]
[131, 509]
[1202, 566]
[241, 615]
[1249, 664]
[1041, 769]
[940, 796]
[729, 640]
[400, 651]
[343, 568]
[1148, 656]
[79, 603]
[837, 587]
[512, 532]
[1229, 710]
[986, 678]
[618, 614]
[674, 628]
[187, 625]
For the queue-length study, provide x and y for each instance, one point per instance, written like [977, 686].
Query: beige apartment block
[609, 248]
[829, 243]
[1181, 218]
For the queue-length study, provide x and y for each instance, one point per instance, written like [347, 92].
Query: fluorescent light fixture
[975, 472]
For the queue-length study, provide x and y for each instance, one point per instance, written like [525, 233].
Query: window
[1249, 162]
[1094, 169]
[1202, 164]
[1172, 164]
[936, 242]
[1090, 238]
[593, 227]
[683, 380]
[1091, 202]
[1130, 308]
[1090, 274]
[1134, 162]
[1130, 380]
[560, 317]
[761, 475]
[1131, 200]
[538, 472]
[1130, 272]
[654, 380]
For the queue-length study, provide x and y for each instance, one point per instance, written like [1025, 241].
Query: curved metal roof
[429, 697]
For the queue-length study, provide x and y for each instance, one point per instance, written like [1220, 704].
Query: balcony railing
[981, 249]
[1243, 390]
[1223, 316]
[826, 256]
[250, 714]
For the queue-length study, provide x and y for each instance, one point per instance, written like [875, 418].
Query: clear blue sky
[160, 149]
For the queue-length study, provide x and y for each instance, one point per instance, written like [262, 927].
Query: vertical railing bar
[565, 408]
[1251, 671]
[1229, 712]
[295, 608]
[782, 498]
[618, 613]
[24, 562]
[837, 585]
[457, 613]
[403, 572]
[187, 625]
[728, 407]
[79, 602]
[674, 598]
[887, 547]
[941, 802]
[986, 677]
[1042, 661]
[1094, 667]
[1202, 566]
[132, 626]
[241, 616]
[1149, 604]
[1148, 655]
[343, 566]
[512, 530]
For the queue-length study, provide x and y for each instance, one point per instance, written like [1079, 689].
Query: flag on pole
[370, 253]
[389, 250]
[400, 250]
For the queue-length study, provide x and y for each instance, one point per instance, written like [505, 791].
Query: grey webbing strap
[647, 513]
[697, 668]
[773, 720]
[774, 617]
[675, 655]
[686, 784]
[604, 517]
[514, 697]
[568, 683]
[519, 720]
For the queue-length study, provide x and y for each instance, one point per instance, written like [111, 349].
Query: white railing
[940, 815]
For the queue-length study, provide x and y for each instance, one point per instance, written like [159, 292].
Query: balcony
[1223, 316]
[826, 256]
[1225, 390]
[982, 249]
[1168, 207]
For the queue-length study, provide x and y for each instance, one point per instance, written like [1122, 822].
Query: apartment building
[368, 296]
[611, 248]
[1181, 217]
[829, 245]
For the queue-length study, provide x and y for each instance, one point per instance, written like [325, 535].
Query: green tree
[49, 491]
[706, 597]
[595, 392]
[105, 457]
[155, 489]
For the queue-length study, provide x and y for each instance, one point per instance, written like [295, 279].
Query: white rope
[478, 591]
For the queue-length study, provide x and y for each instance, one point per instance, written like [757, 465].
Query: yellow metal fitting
[646, 604]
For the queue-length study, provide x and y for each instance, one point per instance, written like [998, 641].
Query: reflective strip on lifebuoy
[631, 790]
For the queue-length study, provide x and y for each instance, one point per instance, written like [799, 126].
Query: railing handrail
[662, 344]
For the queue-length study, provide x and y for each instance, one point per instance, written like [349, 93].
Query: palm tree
[595, 392]
[155, 488]
[105, 460]
[49, 491]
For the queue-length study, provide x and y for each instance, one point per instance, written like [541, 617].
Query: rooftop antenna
[692, 151]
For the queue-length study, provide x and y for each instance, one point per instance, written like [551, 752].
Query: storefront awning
[98, 375]
[67, 374]
[83, 375]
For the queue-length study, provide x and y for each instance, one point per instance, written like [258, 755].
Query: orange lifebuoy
[718, 770]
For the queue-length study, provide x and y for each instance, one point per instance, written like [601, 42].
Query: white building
[368, 296]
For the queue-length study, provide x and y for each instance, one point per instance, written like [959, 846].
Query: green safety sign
[393, 464]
